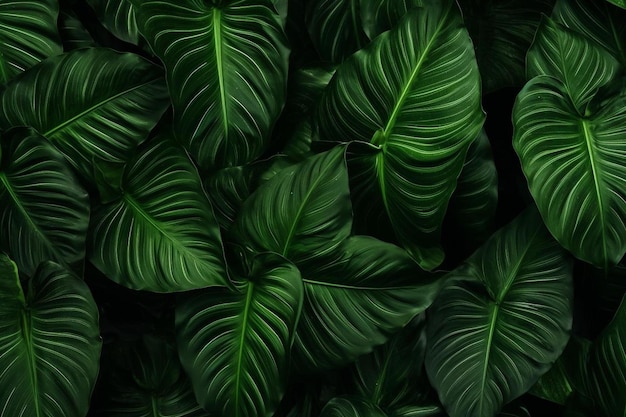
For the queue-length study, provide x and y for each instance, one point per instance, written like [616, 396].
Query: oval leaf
[44, 212]
[235, 344]
[91, 103]
[355, 299]
[502, 321]
[226, 71]
[419, 105]
[28, 30]
[49, 343]
[575, 167]
[160, 234]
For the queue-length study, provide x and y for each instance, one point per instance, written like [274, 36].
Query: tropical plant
[312, 208]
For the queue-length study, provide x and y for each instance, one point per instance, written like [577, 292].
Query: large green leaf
[28, 30]
[574, 163]
[235, 344]
[49, 343]
[119, 17]
[597, 20]
[160, 233]
[414, 93]
[378, 16]
[335, 28]
[502, 321]
[302, 213]
[147, 380]
[502, 32]
[91, 103]
[44, 212]
[606, 367]
[355, 299]
[226, 68]
[581, 65]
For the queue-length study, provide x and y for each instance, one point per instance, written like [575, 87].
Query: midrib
[217, 43]
[32, 365]
[242, 337]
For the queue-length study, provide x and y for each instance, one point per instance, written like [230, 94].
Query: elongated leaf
[73, 33]
[619, 3]
[351, 407]
[419, 411]
[419, 106]
[388, 377]
[28, 30]
[355, 300]
[119, 17]
[378, 16]
[49, 343]
[302, 213]
[502, 32]
[44, 212]
[581, 65]
[91, 103]
[502, 321]
[335, 28]
[597, 20]
[148, 381]
[160, 234]
[235, 345]
[226, 71]
[575, 167]
[606, 367]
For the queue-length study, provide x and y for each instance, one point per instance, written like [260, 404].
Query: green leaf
[355, 299]
[351, 407]
[160, 234]
[119, 17]
[90, 103]
[335, 28]
[619, 3]
[502, 320]
[419, 411]
[73, 33]
[575, 167]
[502, 32]
[606, 367]
[302, 213]
[388, 377]
[226, 71]
[147, 380]
[419, 106]
[598, 21]
[378, 16]
[235, 344]
[44, 212]
[28, 30]
[49, 343]
[581, 65]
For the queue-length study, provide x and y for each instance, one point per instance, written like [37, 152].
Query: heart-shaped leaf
[227, 80]
[49, 343]
[160, 233]
[28, 30]
[44, 212]
[419, 106]
[302, 213]
[235, 344]
[502, 320]
[91, 103]
[355, 299]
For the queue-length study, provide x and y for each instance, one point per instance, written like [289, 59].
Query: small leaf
[235, 344]
[351, 407]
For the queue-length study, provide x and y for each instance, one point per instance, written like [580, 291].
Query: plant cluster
[312, 208]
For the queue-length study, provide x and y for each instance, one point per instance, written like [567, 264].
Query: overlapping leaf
[73, 33]
[502, 321]
[355, 299]
[302, 213]
[160, 233]
[49, 343]
[118, 16]
[91, 103]
[378, 16]
[235, 344]
[351, 407]
[226, 68]
[28, 30]
[414, 93]
[44, 212]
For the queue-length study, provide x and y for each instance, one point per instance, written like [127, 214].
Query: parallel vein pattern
[226, 71]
